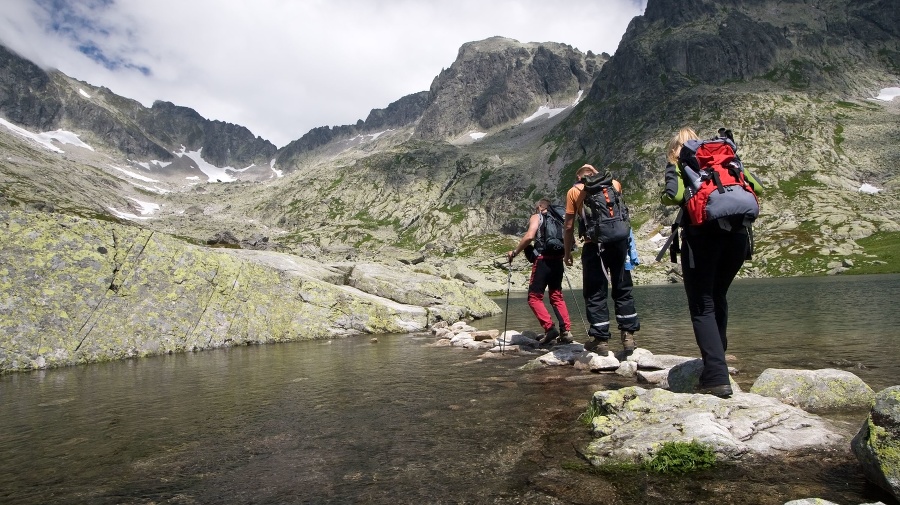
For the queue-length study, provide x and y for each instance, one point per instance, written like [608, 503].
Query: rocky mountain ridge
[451, 173]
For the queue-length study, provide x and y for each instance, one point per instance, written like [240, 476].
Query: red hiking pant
[547, 274]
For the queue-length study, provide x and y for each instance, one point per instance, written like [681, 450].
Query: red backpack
[715, 184]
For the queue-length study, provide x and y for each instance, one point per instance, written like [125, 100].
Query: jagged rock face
[44, 100]
[399, 114]
[677, 46]
[27, 95]
[223, 144]
[792, 79]
[498, 80]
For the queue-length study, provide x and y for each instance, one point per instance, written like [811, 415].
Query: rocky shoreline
[778, 416]
[76, 290]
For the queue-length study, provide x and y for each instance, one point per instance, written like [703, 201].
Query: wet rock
[877, 445]
[596, 362]
[647, 360]
[634, 422]
[657, 378]
[485, 335]
[815, 390]
[627, 369]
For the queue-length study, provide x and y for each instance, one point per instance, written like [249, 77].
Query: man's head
[542, 205]
[585, 171]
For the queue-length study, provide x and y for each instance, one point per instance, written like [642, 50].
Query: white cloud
[281, 67]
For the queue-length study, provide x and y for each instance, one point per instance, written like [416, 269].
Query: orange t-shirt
[575, 197]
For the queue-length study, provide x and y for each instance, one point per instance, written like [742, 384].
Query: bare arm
[533, 223]
[574, 201]
[569, 238]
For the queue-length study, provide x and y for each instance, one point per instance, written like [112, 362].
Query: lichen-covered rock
[877, 445]
[76, 290]
[815, 390]
[446, 299]
[634, 422]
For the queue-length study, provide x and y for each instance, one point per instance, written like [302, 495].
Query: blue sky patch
[81, 24]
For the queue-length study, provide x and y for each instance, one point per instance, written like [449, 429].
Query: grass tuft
[682, 457]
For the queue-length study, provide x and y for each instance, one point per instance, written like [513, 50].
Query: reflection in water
[397, 421]
[815, 322]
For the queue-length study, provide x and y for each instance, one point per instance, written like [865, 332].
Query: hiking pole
[575, 299]
[506, 312]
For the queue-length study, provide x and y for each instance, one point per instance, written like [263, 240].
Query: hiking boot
[723, 391]
[598, 346]
[565, 338]
[550, 335]
[628, 341]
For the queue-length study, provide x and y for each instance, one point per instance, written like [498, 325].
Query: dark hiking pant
[717, 257]
[547, 273]
[597, 288]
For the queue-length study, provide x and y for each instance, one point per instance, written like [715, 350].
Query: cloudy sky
[283, 67]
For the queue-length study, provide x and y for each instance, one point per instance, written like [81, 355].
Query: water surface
[399, 421]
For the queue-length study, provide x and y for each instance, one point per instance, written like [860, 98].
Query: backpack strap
[671, 243]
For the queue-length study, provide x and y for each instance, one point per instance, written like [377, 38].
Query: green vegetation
[495, 244]
[485, 175]
[529, 192]
[567, 176]
[337, 182]
[838, 138]
[588, 415]
[682, 457]
[793, 73]
[803, 180]
[457, 213]
[884, 245]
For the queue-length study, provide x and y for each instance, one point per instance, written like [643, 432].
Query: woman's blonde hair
[673, 148]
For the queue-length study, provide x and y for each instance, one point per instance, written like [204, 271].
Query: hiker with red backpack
[718, 199]
[596, 200]
[546, 255]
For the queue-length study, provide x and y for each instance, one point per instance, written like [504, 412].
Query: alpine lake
[402, 421]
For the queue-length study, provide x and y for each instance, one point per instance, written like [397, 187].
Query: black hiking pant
[717, 255]
[597, 288]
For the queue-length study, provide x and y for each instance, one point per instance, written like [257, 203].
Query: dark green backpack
[606, 217]
[549, 240]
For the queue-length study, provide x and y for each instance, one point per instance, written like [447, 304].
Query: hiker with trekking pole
[596, 201]
[547, 270]
[718, 199]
